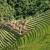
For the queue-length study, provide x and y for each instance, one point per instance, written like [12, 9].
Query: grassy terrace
[37, 38]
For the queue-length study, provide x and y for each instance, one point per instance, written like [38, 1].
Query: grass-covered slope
[37, 38]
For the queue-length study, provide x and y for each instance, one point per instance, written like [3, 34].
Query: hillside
[24, 26]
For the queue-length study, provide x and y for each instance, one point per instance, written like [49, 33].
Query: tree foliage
[25, 7]
[6, 10]
[29, 7]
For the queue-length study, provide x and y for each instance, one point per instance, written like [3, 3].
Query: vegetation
[24, 24]
[23, 8]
